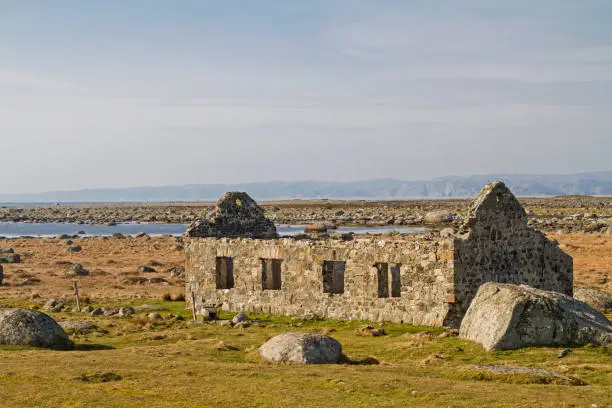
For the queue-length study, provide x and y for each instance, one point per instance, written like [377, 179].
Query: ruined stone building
[236, 260]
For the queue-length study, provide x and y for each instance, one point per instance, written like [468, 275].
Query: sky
[122, 93]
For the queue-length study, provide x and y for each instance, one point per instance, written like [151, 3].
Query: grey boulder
[438, 217]
[508, 317]
[24, 327]
[240, 318]
[302, 348]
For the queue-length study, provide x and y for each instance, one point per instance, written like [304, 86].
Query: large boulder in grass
[302, 348]
[508, 317]
[24, 327]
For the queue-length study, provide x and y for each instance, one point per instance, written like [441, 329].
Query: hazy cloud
[129, 93]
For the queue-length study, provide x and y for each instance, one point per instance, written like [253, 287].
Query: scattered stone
[176, 271]
[447, 232]
[110, 311]
[9, 257]
[63, 236]
[54, 305]
[302, 348]
[146, 269]
[239, 318]
[506, 317]
[370, 331]
[126, 311]
[449, 333]
[135, 280]
[540, 376]
[564, 353]
[226, 347]
[77, 326]
[595, 298]
[438, 217]
[154, 316]
[74, 248]
[77, 270]
[87, 309]
[347, 236]
[23, 327]
[97, 311]
[161, 281]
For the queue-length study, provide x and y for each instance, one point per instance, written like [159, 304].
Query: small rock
[97, 311]
[53, 305]
[77, 326]
[126, 311]
[239, 318]
[370, 331]
[154, 316]
[176, 271]
[74, 248]
[146, 269]
[87, 309]
[110, 311]
[77, 270]
[564, 353]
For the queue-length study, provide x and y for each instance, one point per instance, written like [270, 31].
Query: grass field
[134, 362]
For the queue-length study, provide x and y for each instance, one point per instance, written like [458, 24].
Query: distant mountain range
[595, 183]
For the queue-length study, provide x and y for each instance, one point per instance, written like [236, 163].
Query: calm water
[19, 229]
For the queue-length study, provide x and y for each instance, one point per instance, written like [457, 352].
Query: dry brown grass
[592, 255]
[109, 261]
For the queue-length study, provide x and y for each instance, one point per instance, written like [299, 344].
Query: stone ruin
[236, 215]
[236, 260]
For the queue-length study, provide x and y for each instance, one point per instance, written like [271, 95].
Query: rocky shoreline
[551, 214]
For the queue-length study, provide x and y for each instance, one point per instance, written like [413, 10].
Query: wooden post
[76, 294]
[193, 307]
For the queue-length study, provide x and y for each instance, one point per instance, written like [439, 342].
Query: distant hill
[595, 183]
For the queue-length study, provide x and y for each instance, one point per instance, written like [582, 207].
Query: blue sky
[124, 93]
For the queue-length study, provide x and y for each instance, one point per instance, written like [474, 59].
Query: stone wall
[425, 270]
[497, 245]
[421, 279]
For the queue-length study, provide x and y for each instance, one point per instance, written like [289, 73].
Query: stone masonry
[236, 215]
[236, 261]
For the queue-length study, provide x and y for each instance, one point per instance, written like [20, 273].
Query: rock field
[551, 214]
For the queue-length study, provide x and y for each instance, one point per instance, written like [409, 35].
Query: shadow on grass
[92, 347]
[363, 361]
